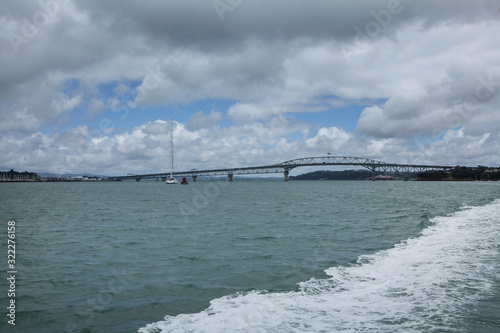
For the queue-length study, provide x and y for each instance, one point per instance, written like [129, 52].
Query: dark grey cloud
[197, 24]
[420, 62]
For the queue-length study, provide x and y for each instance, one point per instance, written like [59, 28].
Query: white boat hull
[171, 181]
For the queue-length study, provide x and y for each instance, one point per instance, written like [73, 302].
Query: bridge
[285, 167]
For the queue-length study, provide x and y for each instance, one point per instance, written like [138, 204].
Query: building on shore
[14, 176]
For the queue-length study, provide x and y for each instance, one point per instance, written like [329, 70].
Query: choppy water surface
[255, 256]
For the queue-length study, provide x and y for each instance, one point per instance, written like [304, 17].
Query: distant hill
[350, 175]
[462, 173]
[335, 175]
[67, 175]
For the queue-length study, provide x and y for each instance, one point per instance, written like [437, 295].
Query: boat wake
[423, 284]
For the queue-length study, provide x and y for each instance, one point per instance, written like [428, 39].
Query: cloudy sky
[90, 86]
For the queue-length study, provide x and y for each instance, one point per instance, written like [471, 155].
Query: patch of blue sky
[418, 140]
[345, 117]
[71, 87]
[207, 106]
[290, 137]
[124, 118]
[297, 136]
[80, 115]
[178, 111]
[183, 112]
[128, 115]
[108, 90]
[10, 105]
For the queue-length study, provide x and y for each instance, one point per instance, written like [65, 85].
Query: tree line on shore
[350, 175]
[462, 173]
[457, 173]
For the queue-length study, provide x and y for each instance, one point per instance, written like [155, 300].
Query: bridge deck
[286, 166]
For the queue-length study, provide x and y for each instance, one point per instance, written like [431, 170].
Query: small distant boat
[184, 181]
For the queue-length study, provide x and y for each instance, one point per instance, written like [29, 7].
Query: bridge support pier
[373, 175]
[286, 174]
[230, 177]
[194, 178]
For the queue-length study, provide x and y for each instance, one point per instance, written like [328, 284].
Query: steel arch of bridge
[367, 163]
[285, 167]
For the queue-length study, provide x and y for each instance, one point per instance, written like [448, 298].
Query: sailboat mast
[172, 148]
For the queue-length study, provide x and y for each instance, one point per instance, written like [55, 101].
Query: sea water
[254, 256]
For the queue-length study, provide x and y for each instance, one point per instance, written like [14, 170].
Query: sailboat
[171, 179]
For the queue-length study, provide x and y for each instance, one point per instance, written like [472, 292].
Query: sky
[92, 86]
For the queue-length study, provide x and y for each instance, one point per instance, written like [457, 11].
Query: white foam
[422, 284]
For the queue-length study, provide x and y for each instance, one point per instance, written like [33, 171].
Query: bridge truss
[285, 167]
